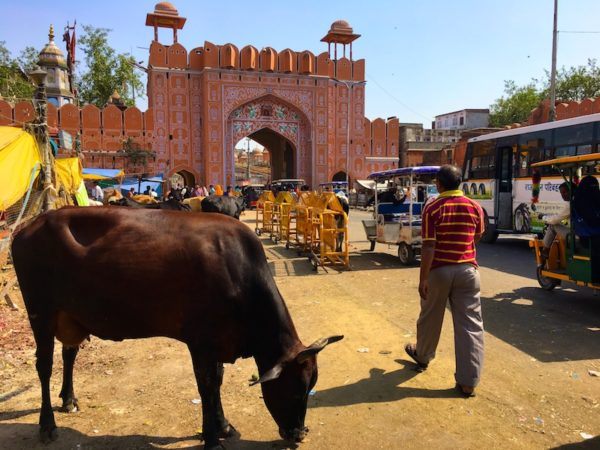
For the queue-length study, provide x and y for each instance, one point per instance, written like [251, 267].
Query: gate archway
[278, 126]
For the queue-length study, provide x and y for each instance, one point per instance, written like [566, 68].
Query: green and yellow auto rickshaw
[575, 259]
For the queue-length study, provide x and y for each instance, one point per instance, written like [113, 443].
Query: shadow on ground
[550, 326]
[380, 386]
[25, 436]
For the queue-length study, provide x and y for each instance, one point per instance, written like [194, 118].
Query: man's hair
[449, 177]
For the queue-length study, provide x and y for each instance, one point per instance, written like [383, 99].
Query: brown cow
[217, 296]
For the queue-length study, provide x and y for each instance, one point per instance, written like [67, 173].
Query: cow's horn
[316, 347]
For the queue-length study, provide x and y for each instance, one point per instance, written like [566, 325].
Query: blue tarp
[103, 173]
[155, 183]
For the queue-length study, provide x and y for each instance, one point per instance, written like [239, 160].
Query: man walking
[452, 225]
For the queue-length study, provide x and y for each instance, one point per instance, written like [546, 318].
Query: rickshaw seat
[400, 208]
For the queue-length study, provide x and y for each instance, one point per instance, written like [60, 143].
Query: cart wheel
[315, 264]
[546, 283]
[372, 246]
[406, 254]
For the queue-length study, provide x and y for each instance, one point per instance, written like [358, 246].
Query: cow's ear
[271, 374]
[316, 347]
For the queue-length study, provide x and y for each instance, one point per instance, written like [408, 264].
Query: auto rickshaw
[575, 259]
[397, 212]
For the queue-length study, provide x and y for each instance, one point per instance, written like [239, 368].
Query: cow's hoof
[230, 433]
[213, 447]
[70, 406]
[48, 434]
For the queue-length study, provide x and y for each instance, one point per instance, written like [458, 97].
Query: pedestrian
[452, 225]
[97, 192]
[211, 190]
[555, 226]
[131, 193]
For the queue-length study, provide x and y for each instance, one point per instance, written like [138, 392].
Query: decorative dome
[341, 26]
[341, 33]
[51, 55]
[165, 8]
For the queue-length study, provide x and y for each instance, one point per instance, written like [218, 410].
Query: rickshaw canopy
[404, 172]
[571, 161]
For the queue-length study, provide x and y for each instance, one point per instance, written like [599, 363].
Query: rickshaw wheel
[546, 283]
[372, 245]
[406, 254]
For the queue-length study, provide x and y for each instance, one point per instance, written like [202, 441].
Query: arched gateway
[298, 105]
[281, 128]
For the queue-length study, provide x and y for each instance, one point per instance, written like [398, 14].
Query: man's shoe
[465, 391]
[411, 351]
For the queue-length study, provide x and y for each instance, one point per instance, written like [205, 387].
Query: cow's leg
[209, 376]
[44, 339]
[226, 430]
[66, 393]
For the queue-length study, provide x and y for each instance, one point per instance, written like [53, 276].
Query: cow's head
[286, 387]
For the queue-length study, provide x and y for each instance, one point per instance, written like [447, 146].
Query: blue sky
[423, 57]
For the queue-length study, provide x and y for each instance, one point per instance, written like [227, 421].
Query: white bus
[497, 171]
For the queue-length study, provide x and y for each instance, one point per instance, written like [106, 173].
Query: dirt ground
[538, 388]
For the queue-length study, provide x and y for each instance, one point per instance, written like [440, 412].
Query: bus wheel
[406, 254]
[490, 234]
[546, 283]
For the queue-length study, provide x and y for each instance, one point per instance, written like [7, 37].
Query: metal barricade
[264, 213]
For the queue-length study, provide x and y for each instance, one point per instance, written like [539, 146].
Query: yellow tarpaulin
[19, 159]
[81, 195]
[68, 173]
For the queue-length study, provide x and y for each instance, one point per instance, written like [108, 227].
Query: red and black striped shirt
[452, 221]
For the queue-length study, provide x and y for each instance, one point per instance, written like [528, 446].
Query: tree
[28, 58]
[14, 83]
[576, 83]
[107, 70]
[516, 105]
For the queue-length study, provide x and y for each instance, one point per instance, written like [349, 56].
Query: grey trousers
[458, 284]
[554, 230]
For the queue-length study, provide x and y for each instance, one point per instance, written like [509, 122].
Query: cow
[217, 296]
[230, 206]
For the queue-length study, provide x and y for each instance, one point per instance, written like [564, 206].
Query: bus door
[504, 187]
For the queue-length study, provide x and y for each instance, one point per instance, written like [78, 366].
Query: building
[419, 146]
[464, 119]
[52, 60]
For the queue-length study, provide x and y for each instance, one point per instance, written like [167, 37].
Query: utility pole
[38, 76]
[552, 117]
[248, 159]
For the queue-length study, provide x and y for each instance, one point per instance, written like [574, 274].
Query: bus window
[483, 160]
[522, 169]
[584, 149]
[537, 146]
[574, 135]
[569, 150]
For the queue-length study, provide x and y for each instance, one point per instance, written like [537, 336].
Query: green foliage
[576, 83]
[516, 105]
[573, 84]
[14, 83]
[28, 58]
[106, 70]
[135, 153]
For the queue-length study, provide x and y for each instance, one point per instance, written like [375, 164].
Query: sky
[423, 57]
